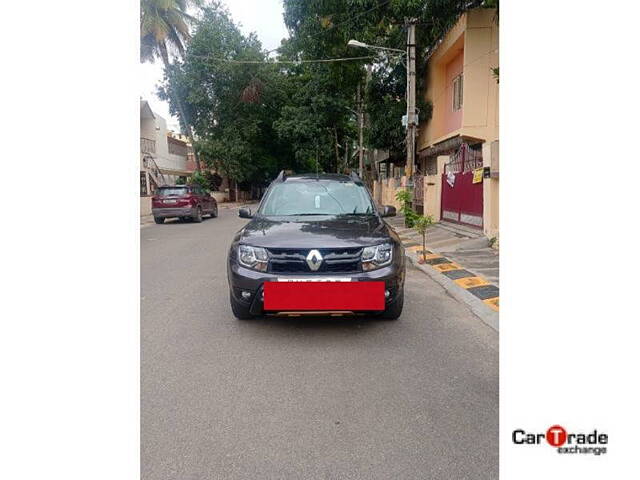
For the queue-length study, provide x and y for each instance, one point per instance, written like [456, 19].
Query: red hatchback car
[184, 202]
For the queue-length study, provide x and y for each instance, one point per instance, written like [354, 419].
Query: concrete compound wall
[145, 206]
[384, 191]
[433, 189]
[491, 191]
[219, 196]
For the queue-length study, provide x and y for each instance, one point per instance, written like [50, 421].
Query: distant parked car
[183, 201]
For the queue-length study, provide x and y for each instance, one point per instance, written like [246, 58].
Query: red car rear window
[166, 191]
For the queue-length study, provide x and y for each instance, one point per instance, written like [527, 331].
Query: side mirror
[388, 211]
[245, 213]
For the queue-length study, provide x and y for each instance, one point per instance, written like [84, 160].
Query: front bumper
[243, 279]
[173, 212]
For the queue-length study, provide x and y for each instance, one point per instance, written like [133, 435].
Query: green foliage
[321, 29]
[405, 198]
[421, 223]
[232, 107]
[213, 180]
[251, 120]
[199, 179]
[496, 74]
[164, 28]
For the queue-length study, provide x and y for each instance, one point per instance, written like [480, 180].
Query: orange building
[461, 137]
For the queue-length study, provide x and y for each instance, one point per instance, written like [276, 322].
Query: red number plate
[318, 296]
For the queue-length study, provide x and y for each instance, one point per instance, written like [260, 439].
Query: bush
[200, 179]
[405, 197]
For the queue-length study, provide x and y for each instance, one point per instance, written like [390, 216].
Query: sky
[264, 17]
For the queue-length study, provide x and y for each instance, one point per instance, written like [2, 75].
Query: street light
[358, 44]
[411, 87]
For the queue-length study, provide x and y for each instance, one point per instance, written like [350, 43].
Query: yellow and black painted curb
[472, 283]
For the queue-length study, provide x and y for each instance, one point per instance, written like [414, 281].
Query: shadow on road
[179, 221]
[317, 324]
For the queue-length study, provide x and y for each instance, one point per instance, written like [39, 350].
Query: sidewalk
[461, 260]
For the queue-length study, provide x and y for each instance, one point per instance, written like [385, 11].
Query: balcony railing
[147, 145]
[177, 147]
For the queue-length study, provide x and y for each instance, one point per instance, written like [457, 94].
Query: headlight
[253, 257]
[377, 256]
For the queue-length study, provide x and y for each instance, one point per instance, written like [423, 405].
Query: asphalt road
[305, 398]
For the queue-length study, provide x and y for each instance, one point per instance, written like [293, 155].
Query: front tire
[158, 220]
[394, 310]
[240, 311]
[214, 213]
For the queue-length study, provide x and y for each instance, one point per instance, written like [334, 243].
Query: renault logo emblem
[314, 260]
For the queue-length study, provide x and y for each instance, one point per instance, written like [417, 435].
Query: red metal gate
[462, 200]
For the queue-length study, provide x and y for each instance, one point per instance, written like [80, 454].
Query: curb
[476, 305]
[230, 205]
[483, 302]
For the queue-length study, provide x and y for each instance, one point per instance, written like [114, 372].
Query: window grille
[457, 93]
[143, 184]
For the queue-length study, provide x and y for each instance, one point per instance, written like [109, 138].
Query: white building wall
[156, 129]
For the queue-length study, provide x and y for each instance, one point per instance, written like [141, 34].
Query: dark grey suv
[309, 249]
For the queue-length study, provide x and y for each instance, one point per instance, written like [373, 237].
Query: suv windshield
[317, 197]
[166, 191]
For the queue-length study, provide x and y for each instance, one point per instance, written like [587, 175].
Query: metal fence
[465, 159]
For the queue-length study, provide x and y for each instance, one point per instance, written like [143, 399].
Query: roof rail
[355, 176]
[281, 176]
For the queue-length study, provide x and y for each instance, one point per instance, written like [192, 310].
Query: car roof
[318, 176]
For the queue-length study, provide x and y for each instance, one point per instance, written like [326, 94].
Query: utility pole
[346, 154]
[411, 95]
[360, 133]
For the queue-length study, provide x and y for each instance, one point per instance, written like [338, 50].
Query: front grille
[294, 261]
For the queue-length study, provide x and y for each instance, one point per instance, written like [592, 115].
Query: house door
[462, 200]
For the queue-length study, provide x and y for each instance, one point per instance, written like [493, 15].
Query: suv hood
[315, 232]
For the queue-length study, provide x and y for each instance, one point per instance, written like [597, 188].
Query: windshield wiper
[359, 214]
[307, 214]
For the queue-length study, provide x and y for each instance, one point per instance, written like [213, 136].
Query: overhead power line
[274, 62]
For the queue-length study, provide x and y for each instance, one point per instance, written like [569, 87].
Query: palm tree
[164, 30]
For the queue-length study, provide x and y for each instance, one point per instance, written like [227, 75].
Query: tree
[322, 28]
[253, 116]
[421, 222]
[164, 29]
[233, 96]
